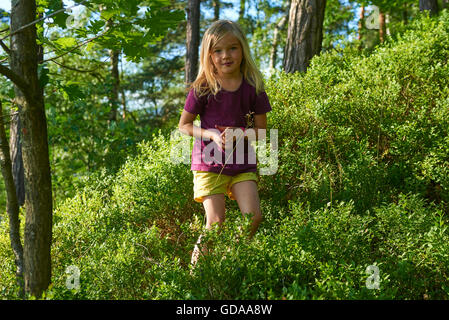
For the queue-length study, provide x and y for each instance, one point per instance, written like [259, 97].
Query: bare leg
[247, 196]
[214, 205]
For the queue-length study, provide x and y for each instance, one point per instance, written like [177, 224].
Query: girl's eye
[217, 50]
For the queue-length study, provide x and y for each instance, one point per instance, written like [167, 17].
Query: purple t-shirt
[228, 109]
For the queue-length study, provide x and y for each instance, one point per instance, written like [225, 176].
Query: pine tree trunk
[361, 22]
[430, 5]
[382, 29]
[405, 14]
[113, 94]
[38, 193]
[242, 11]
[274, 46]
[12, 205]
[192, 40]
[16, 155]
[304, 35]
[216, 5]
[113, 98]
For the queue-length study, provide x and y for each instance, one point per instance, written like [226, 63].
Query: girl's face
[227, 56]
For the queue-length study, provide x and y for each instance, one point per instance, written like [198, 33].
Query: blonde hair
[206, 81]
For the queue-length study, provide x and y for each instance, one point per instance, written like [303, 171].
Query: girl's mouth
[227, 64]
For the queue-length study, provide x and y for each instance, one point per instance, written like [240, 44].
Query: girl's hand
[217, 138]
[226, 135]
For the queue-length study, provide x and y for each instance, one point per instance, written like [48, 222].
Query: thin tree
[274, 46]
[361, 22]
[192, 40]
[23, 61]
[12, 204]
[382, 26]
[304, 35]
[216, 5]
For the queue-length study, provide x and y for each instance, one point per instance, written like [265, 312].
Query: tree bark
[38, 193]
[304, 35]
[361, 23]
[113, 94]
[382, 28]
[16, 157]
[429, 5]
[216, 5]
[12, 205]
[274, 46]
[113, 98]
[192, 40]
[445, 4]
[242, 11]
[405, 14]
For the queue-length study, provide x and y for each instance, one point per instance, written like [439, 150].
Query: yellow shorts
[209, 183]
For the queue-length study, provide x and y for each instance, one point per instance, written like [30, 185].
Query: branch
[92, 71]
[39, 20]
[76, 47]
[5, 47]
[76, 69]
[15, 78]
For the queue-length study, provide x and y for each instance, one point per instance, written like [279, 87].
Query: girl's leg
[247, 196]
[214, 205]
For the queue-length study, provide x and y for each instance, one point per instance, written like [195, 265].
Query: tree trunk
[361, 23]
[304, 35]
[216, 5]
[445, 4]
[274, 46]
[122, 94]
[113, 97]
[382, 28]
[12, 205]
[38, 193]
[405, 14]
[113, 94]
[192, 40]
[430, 5]
[16, 155]
[242, 11]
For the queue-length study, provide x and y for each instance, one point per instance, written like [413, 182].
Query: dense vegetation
[363, 180]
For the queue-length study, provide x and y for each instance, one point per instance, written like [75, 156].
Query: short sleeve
[262, 104]
[193, 104]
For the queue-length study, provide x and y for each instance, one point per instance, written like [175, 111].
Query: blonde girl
[227, 91]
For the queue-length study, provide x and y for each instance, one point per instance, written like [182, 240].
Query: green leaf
[66, 42]
[60, 19]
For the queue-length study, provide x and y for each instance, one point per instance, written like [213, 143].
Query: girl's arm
[187, 127]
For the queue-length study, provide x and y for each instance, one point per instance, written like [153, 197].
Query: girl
[228, 88]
